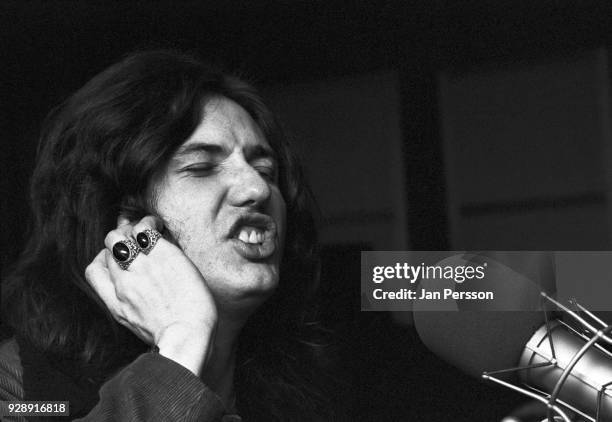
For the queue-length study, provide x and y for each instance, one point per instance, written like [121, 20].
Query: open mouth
[254, 236]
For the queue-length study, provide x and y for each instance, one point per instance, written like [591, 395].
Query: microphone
[547, 360]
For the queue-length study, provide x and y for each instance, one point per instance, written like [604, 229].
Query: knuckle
[124, 295]
[110, 236]
[147, 222]
[94, 271]
[138, 228]
[89, 272]
[154, 222]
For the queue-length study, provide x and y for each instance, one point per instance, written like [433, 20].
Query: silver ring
[147, 239]
[125, 252]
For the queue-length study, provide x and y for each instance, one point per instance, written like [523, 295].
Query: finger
[98, 277]
[146, 232]
[148, 222]
[116, 271]
[120, 233]
[122, 220]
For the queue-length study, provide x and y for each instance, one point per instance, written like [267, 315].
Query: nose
[248, 188]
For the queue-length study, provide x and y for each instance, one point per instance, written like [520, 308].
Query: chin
[263, 281]
[253, 282]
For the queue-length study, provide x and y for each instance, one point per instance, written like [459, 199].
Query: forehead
[227, 124]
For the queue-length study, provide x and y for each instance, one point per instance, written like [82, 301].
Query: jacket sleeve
[154, 387]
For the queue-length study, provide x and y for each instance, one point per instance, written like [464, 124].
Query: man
[166, 199]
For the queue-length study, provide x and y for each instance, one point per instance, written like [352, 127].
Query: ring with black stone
[147, 239]
[125, 252]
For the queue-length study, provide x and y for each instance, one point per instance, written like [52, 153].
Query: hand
[161, 297]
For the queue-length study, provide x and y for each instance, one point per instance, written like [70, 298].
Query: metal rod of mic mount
[547, 321]
[574, 304]
[553, 397]
[528, 393]
[517, 368]
[600, 335]
[591, 315]
[552, 400]
[600, 394]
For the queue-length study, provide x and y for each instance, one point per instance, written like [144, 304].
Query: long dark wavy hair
[98, 152]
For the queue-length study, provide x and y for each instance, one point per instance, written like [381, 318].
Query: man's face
[220, 199]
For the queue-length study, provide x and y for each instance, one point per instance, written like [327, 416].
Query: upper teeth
[251, 235]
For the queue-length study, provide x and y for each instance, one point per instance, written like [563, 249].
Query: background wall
[348, 133]
[526, 153]
[423, 124]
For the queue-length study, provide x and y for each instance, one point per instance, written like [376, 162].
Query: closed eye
[267, 172]
[200, 169]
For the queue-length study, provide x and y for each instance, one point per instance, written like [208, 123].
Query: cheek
[186, 208]
[178, 217]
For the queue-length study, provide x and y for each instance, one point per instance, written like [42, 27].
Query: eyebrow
[260, 151]
[188, 149]
[252, 152]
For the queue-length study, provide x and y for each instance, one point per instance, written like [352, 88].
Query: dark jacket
[151, 388]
